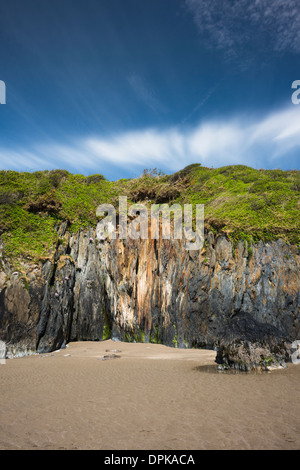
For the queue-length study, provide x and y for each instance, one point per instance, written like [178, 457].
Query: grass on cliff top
[239, 201]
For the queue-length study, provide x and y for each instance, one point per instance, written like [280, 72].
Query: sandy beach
[116, 396]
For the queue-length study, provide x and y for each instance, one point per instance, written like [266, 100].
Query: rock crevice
[152, 290]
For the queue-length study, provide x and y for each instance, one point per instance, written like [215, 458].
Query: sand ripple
[72, 400]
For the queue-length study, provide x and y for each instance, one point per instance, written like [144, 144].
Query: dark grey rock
[156, 291]
[248, 344]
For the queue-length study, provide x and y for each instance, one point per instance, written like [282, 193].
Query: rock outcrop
[247, 344]
[154, 290]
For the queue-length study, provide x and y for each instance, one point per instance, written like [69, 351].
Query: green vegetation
[239, 201]
[174, 341]
[156, 338]
[135, 336]
[106, 333]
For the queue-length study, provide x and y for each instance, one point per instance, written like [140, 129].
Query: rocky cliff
[150, 290]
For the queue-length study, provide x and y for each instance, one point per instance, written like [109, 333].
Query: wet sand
[151, 397]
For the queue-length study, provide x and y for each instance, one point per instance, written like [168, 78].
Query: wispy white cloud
[266, 140]
[138, 147]
[235, 26]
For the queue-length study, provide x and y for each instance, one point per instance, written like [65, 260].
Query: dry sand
[151, 397]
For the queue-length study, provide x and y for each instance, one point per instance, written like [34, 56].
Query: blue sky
[116, 86]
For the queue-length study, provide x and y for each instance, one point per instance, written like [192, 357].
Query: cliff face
[148, 290]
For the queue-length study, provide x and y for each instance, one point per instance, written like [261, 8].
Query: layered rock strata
[153, 290]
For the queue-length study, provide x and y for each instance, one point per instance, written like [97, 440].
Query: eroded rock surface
[247, 344]
[152, 290]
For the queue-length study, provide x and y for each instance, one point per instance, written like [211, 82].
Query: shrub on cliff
[239, 201]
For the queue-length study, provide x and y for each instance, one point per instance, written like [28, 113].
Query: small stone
[109, 356]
